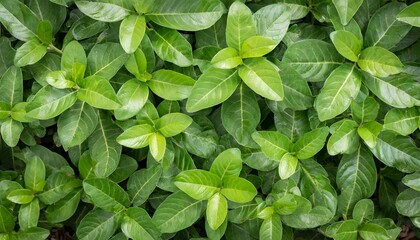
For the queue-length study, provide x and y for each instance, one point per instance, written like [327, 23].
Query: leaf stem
[52, 47]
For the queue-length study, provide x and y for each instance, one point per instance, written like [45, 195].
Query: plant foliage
[210, 119]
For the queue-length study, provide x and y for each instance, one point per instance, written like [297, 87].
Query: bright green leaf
[131, 33]
[257, 46]
[379, 62]
[227, 58]
[133, 94]
[273, 144]
[238, 189]
[106, 194]
[157, 145]
[346, 9]
[142, 183]
[137, 224]
[216, 211]
[198, 184]
[344, 138]
[11, 131]
[271, 228]
[310, 143]
[136, 136]
[97, 224]
[273, 21]
[105, 11]
[98, 92]
[347, 44]
[410, 15]
[171, 85]
[240, 25]
[402, 121]
[21, 196]
[29, 53]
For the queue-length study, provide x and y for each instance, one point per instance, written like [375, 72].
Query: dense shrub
[193, 119]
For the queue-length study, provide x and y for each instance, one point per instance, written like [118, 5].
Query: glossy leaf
[171, 85]
[18, 19]
[273, 144]
[412, 180]
[340, 88]
[240, 25]
[241, 115]
[238, 189]
[227, 58]
[216, 211]
[105, 60]
[365, 111]
[347, 9]
[187, 15]
[379, 62]
[132, 96]
[11, 131]
[172, 124]
[137, 224]
[132, 30]
[170, 46]
[50, 102]
[35, 174]
[227, 163]
[260, 75]
[212, 87]
[343, 230]
[313, 59]
[106, 194]
[407, 203]
[76, 124]
[344, 138]
[273, 21]
[369, 132]
[29, 53]
[410, 15]
[356, 178]
[287, 166]
[98, 92]
[271, 228]
[11, 86]
[142, 183]
[257, 46]
[105, 11]
[6, 219]
[157, 146]
[176, 212]
[384, 30]
[29, 215]
[65, 208]
[136, 136]
[402, 121]
[198, 184]
[21, 196]
[347, 44]
[97, 224]
[310, 143]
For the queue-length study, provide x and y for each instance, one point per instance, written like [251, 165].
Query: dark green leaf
[29, 215]
[18, 19]
[137, 224]
[273, 21]
[365, 111]
[63, 209]
[105, 60]
[142, 183]
[106, 194]
[271, 228]
[97, 224]
[6, 219]
[35, 174]
[346, 9]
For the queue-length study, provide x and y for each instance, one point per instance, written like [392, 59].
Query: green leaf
[58, 79]
[73, 53]
[273, 21]
[412, 180]
[271, 228]
[373, 231]
[57, 186]
[238, 189]
[402, 121]
[365, 111]
[347, 9]
[343, 230]
[262, 77]
[7, 221]
[87, 27]
[408, 203]
[410, 15]
[172, 124]
[11, 86]
[216, 211]
[344, 138]
[106, 194]
[21, 196]
[213, 87]
[379, 62]
[227, 58]
[29, 53]
[18, 19]
[198, 184]
[97, 224]
[44, 32]
[384, 30]
[287, 165]
[126, 167]
[136, 136]
[171, 85]
[142, 183]
[11, 131]
[4, 110]
[105, 60]
[288, 203]
[136, 64]
[105, 11]
[50, 102]
[241, 115]
[347, 44]
[63, 209]
[369, 133]
[137, 224]
[76, 124]
[104, 149]
[48, 11]
[177, 212]
[356, 179]
[187, 15]
[29, 215]
[131, 33]
[397, 151]
[297, 94]
[171, 46]
[401, 91]
[35, 174]
[340, 88]
[310, 143]
[157, 146]
[227, 163]
[240, 25]
[273, 144]
[98, 92]
[363, 210]
[313, 59]
[257, 46]
[133, 94]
